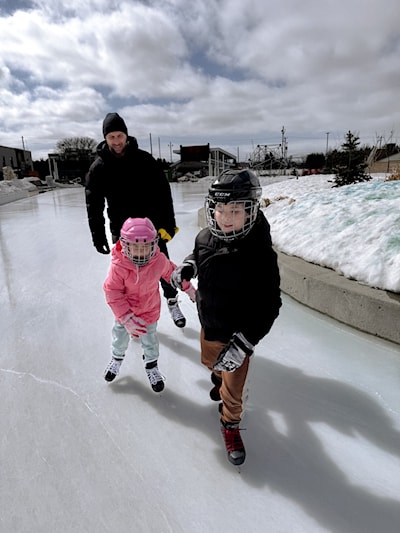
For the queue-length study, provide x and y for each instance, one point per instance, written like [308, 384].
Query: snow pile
[11, 190]
[354, 230]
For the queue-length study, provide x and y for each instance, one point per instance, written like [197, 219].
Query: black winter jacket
[238, 284]
[133, 185]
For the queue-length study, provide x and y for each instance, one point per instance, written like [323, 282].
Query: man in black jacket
[132, 184]
[238, 292]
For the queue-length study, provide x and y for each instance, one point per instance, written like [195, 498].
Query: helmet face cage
[138, 252]
[250, 207]
[240, 189]
[139, 240]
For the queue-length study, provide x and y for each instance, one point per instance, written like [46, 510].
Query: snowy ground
[354, 230]
[78, 455]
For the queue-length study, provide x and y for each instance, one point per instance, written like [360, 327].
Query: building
[70, 167]
[18, 159]
[389, 164]
[202, 160]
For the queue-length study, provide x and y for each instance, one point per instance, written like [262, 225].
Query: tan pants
[233, 383]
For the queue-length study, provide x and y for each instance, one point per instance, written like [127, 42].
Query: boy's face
[230, 217]
[116, 141]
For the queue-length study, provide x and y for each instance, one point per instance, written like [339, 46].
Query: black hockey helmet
[233, 187]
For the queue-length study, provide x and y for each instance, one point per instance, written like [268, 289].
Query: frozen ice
[78, 454]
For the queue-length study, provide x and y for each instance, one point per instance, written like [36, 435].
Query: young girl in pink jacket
[132, 291]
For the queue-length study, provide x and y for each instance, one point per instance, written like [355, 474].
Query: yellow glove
[165, 235]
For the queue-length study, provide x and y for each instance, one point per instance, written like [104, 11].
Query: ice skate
[214, 392]
[233, 443]
[176, 313]
[112, 370]
[155, 377]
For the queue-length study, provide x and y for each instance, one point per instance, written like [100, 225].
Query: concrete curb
[370, 310]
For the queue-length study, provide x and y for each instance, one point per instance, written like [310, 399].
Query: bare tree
[77, 145]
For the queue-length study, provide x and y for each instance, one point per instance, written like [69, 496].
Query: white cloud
[217, 70]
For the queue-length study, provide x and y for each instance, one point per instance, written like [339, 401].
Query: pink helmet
[139, 231]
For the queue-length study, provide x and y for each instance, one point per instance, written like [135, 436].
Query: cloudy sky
[231, 73]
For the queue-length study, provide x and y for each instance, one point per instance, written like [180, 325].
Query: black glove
[234, 353]
[101, 244]
[186, 271]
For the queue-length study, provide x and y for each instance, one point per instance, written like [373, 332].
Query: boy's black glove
[186, 271]
[101, 244]
[234, 353]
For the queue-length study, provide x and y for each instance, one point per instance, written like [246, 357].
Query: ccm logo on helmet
[224, 194]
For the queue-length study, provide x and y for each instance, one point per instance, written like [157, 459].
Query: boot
[233, 442]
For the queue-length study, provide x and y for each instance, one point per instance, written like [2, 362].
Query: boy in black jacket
[235, 313]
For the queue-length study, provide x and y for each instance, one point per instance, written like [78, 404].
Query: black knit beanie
[113, 122]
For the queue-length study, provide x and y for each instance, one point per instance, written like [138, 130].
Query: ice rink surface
[321, 426]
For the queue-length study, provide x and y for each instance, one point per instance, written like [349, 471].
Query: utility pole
[283, 143]
[170, 151]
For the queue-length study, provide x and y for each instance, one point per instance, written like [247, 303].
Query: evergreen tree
[352, 164]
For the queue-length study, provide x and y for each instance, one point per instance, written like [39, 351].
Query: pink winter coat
[130, 288]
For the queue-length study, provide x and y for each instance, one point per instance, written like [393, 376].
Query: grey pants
[149, 342]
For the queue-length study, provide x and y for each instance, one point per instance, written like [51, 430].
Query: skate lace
[174, 309]
[113, 366]
[233, 440]
[154, 375]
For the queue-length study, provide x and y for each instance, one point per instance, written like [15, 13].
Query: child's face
[230, 217]
[140, 250]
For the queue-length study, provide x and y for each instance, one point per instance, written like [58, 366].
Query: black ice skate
[214, 392]
[112, 369]
[176, 313]
[155, 377]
